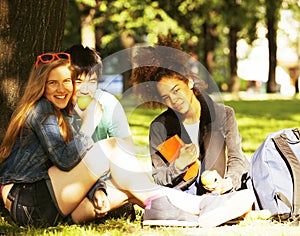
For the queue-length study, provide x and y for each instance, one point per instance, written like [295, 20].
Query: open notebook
[170, 149]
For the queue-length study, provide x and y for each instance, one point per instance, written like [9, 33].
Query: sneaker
[163, 213]
[218, 209]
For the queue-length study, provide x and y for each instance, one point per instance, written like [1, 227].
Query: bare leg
[128, 175]
[71, 187]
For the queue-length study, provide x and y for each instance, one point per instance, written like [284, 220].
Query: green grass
[256, 119]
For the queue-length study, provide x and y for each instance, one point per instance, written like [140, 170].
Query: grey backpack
[275, 174]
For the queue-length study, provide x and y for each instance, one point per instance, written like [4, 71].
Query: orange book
[170, 149]
[192, 170]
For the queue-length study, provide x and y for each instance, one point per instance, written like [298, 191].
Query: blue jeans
[31, 204]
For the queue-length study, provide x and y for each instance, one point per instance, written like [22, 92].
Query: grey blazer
[219, 144]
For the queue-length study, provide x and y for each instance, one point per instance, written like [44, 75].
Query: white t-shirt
[193, 132]
[114, 122]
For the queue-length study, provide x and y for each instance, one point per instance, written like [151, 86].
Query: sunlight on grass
[256, 119]
[139, 120]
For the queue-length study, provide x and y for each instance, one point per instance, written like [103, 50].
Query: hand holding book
[174, 149]
[188, 155]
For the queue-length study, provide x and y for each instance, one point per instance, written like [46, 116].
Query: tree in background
[272, 17]
[28, 28]
[240, 18]
[199, 21]
[72, 31]
[80, 27]
[121, 24]
[294, 6]
[209, 30]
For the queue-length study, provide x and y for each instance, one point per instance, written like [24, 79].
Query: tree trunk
[272, 36]
[234, 80]
[127, 41]
[209, 35]
[88, 29]
[28, 28]
[210, 40]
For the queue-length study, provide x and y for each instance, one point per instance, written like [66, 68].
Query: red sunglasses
[49, 57]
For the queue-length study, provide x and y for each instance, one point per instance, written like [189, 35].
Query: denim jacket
[219, 143]
[41, 146]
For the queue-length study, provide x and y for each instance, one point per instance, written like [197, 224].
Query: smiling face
[176, 94]
[59, 87]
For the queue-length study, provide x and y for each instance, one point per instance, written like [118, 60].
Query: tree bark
[127, 41]
[210, 40]
[88, 29]
[272, 36]
[234, 80]
[28, 28]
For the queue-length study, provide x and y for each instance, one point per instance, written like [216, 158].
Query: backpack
[275, 174]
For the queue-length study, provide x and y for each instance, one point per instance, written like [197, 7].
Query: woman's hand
[101, 203]
[188, 155]
[224, 186]
[214, 183]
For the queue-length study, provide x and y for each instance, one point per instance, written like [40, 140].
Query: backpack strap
[284, 199]
[296, 132]
[281, 142]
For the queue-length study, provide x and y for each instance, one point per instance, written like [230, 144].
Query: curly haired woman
[208, 129]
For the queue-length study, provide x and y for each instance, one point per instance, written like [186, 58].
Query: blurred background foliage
[209, 30]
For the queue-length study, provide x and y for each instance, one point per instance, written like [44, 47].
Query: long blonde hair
[34, 90]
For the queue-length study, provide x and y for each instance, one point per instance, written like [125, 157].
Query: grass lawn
[256, 119]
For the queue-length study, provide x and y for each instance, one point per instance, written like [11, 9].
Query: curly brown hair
[152, 63]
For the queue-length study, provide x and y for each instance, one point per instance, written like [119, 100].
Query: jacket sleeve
[65, 156]
[237, 163]
[163, 173]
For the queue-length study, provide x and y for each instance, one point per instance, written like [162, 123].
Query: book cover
[170, 149]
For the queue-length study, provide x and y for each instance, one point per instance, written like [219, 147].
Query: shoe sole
[231, 210]
[176, 223]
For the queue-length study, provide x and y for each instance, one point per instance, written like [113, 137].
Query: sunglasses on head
[49, 57]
